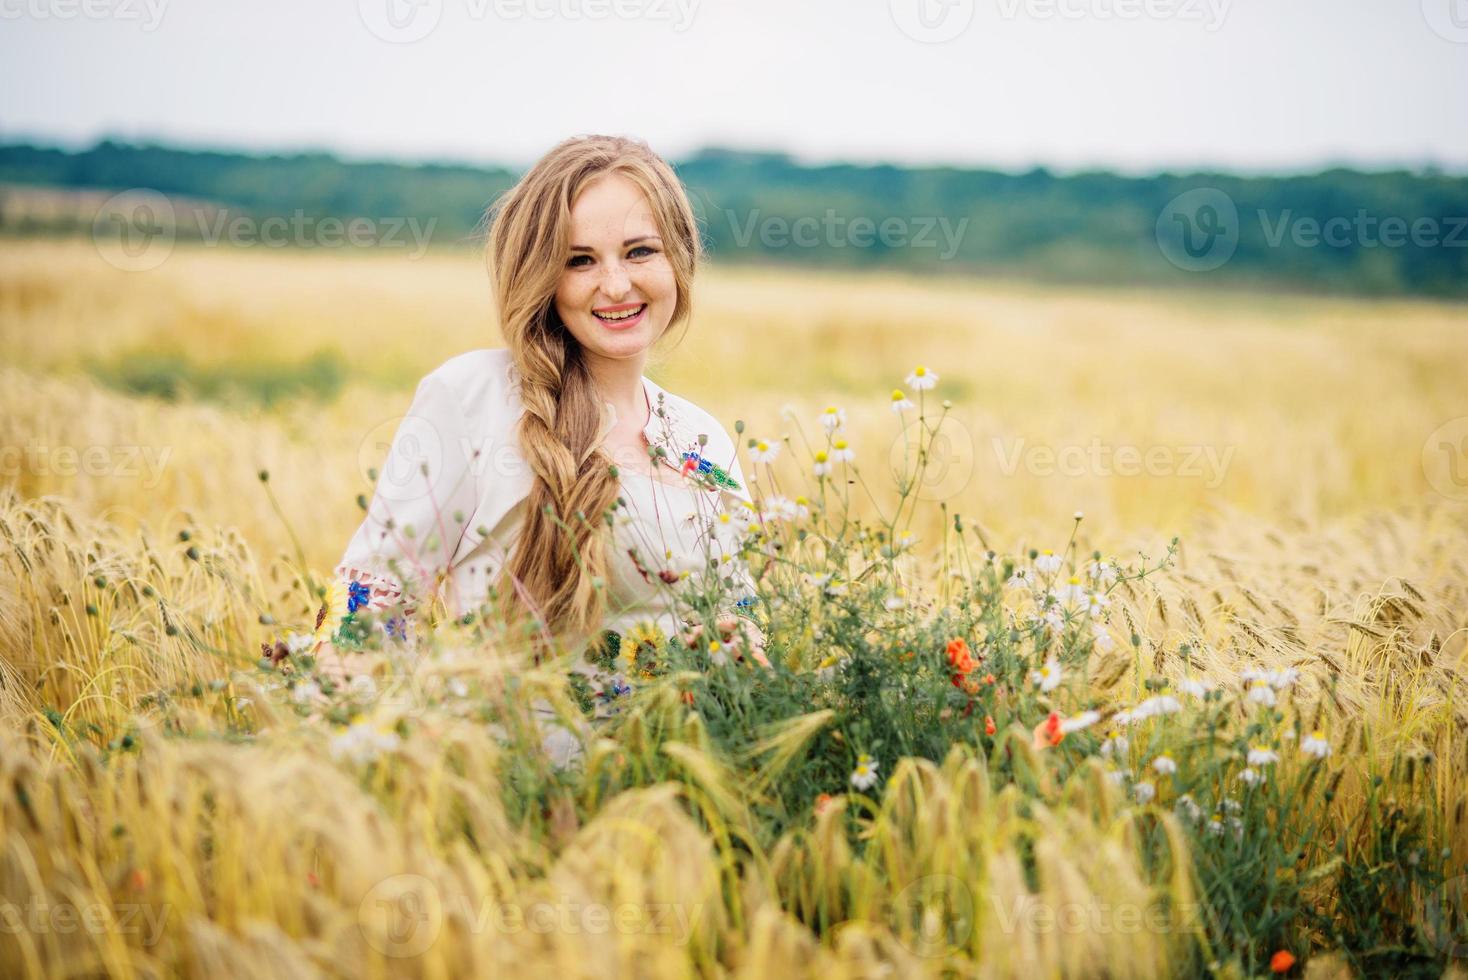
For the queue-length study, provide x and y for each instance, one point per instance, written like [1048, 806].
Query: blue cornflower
[357, 596]
[707, 469]
[616, 689]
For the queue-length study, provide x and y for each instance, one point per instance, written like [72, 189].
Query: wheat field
[1294, 444]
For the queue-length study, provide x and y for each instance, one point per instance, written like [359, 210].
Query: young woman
[553, 473]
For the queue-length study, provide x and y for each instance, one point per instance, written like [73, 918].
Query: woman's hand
[332, 664]
[731, 627]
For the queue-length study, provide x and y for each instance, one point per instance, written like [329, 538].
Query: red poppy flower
[1048, 733]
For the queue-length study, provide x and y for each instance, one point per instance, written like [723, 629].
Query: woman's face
[617, 291]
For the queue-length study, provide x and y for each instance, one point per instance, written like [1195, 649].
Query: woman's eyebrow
[630, 241]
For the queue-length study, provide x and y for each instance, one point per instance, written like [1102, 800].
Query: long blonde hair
[558, 566]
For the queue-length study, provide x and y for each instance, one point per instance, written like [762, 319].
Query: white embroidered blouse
[451, 496]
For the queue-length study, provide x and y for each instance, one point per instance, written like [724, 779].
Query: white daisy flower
[822, 464]
[833, 418]
[775, 509]
[1283, 678]
[921, 379]
[1096, 603]
[1215, 825]
[1103, 638]
[1101, 572]
[1019, 580]
[1251, 776]
[900, 402]
[829, 665]
[1193, 688]
[1049, 676]
[763, 451]
[782, 508]
[894, 602]
[363, 686]
[864, 776]
[361, 743]
[1048, 562]
[1118, 776]
[1115, 744]
[827, 584]
[305, 692]
[298, 643]
[1261, 756]
[1316, 745]
[1261, 693]
[1144, 792]
[841, 451]
[1276, 679]
[1071, 592]
[1160, 704]
[1164, 765]
[687, 563]
[904, 540]
[1077, 722]
[1188, 807]
[729, 529]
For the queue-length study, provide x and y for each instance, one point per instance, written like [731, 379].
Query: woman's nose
[614, 281]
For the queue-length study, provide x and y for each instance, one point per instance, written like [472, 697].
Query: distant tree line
[1346, 231]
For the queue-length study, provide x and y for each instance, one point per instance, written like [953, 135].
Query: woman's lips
[624, 321]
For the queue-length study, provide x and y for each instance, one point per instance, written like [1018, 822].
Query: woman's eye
[649, 250]
[576, 261]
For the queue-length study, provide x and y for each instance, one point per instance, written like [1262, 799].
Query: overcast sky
[1135, 85]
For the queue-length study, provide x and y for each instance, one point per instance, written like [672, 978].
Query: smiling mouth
[620, 315]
